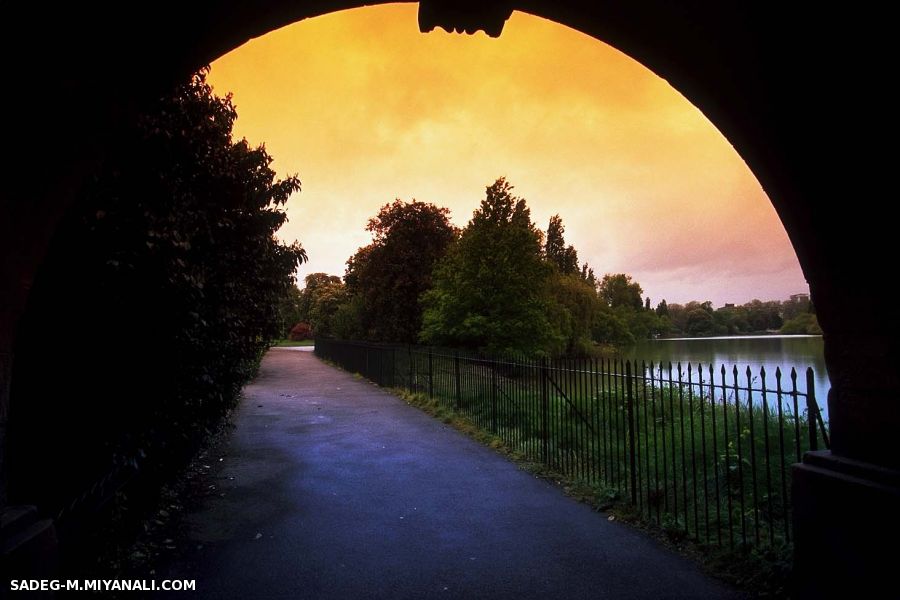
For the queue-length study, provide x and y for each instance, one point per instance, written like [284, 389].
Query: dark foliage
[168, 278]
[290, 311]
[388, 276]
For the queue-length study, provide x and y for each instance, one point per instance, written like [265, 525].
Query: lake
[769, 351]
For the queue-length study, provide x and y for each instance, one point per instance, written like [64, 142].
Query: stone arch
[765, 74]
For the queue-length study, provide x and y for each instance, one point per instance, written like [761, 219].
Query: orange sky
[367, 109]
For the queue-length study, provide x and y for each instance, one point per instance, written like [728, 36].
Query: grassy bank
[293, 343]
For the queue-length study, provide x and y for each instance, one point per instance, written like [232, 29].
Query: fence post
[393, 377]
[409, 357]
[545, 413]
[812, 409]
[430, 373]
[629, 405]
[493, 368]
[458, 390]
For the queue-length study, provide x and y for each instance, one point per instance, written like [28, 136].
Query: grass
[293, 343]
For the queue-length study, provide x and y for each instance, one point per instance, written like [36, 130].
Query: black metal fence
[702, 451]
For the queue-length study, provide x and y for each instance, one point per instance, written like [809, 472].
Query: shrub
[300, 332]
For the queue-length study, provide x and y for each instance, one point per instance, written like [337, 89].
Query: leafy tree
[564, 257]
[390, 274]
[677, 314]
[610, 327]
[289, 310]
[730, 320]
[662, 309]
[700, 322]
[170, 270]
[314, 282]
[587, 275]
[794, 307]
[346, 322]
[326, 300]
[619, 290]
[573, 290]
[491, 289]
[643, 324]
[763, 316]
[804, 323]
[573, 312]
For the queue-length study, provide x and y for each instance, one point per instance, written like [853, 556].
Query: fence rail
[702, 451]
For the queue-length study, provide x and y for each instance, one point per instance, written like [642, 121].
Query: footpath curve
[333, 488]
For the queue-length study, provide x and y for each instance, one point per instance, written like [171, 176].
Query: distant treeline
[793, 316]
[499, 284]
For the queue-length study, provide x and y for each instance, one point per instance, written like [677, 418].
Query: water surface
[769, 351]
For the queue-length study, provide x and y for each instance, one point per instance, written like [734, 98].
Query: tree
[700, 322]
[491, 289]
[314, 283]
[289, 310]
[390, 274]
[662, 309]
[804, 323]
[587, 275]
[620, 291]
[677, 314]
[170, 249]
[609, 327]
[565, 258]
[573, 312]
[764, 316]
[326, 301]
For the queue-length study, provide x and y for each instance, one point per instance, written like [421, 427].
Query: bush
[169, 277]
[300, 332]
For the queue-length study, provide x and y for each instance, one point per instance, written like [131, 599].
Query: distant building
[799, 297]
[729, 305]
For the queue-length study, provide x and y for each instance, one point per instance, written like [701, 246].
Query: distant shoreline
[735, 337]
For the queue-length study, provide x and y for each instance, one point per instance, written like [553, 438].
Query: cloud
[366, 109]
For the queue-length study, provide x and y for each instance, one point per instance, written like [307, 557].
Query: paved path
[336, 489]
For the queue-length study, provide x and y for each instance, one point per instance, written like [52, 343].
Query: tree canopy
[490, 291]
[620, 291]
[501, 284]
[565, 258]
[388, 276]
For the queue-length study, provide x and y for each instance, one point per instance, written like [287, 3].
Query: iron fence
[702, 451]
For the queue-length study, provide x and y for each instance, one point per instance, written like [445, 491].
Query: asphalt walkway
[333, 488]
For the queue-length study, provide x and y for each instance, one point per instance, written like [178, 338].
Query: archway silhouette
[764, 77]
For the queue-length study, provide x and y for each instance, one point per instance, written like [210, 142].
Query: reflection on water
[768, 351]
